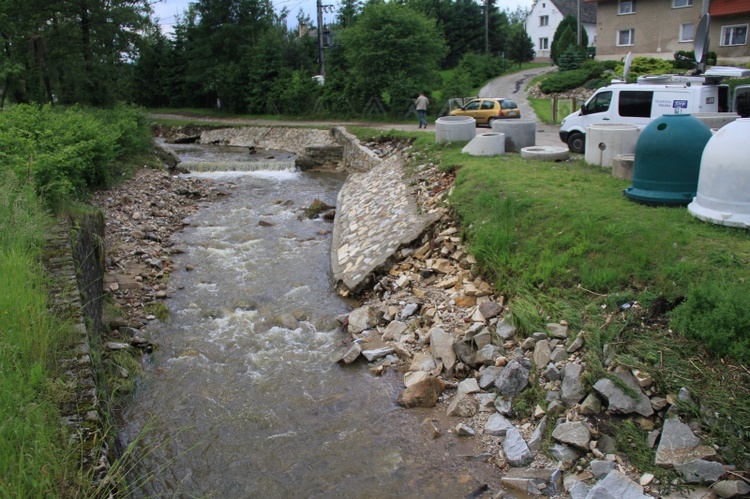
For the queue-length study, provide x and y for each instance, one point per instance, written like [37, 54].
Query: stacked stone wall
[355, 157]
[75, 263]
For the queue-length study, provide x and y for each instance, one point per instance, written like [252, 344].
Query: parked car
[487, 110]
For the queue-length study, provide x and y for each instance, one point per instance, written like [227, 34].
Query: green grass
[562, 243]
[36, 459]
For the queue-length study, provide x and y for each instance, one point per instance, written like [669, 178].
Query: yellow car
[486, 110]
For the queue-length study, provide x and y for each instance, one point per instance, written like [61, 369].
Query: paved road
[511, 85]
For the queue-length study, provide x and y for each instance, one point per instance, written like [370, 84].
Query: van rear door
[741, 101]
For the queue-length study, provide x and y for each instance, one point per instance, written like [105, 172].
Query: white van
[639, 103]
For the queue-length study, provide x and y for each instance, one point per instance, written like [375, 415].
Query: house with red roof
[659, 28]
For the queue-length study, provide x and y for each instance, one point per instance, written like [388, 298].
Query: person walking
[421, 104]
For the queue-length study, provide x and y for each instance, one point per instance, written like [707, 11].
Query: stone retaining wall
[355, 157]
[76, 271]
[335, 148]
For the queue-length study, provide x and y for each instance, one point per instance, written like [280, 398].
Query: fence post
[554, 110]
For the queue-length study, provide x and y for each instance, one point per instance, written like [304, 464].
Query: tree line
[241, 56]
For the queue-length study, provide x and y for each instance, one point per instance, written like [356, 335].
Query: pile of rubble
[433, 319]
[141, 215]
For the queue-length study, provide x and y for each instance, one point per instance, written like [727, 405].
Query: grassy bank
[50, 158]
[562, 243]
[36, 459]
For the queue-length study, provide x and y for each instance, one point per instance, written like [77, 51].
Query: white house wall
[537, 32]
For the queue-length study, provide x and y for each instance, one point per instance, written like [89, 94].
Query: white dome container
[605, 141]
[518, 133]
[486, 144]
[455, 129]
[723, 195]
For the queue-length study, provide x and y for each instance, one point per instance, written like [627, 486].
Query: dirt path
[511, 85]
[514, 86]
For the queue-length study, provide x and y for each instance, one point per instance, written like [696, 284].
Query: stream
[241, 399]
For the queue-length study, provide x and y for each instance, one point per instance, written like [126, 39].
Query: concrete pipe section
[518, 133]
[622, 166]
[545, 153]
[455, 129]
[605, 141]
[723, 195]
[486, 144]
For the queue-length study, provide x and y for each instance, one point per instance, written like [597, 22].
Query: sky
[166, 10]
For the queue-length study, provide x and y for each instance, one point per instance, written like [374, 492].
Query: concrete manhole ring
[545, 153]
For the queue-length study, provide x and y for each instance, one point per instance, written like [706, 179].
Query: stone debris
[425, 313]
[679, 445]
[451, 325]
[621, 402]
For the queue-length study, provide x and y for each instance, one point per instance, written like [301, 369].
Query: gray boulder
[542, 353]
[616, 485]
[731, 488]
[700, 471]
[348, 354]
[565, 454]
[678, 445]
[601, 468]
[534, 481]
[572, 388]
[362, 318]
[620, 402]
[579, 490]
[537, 437]
[516, 451]
[574, 433]
[463, 405]
[505, 329]
[488, 377]
[497, 425]
[513, 379]
[441, 344]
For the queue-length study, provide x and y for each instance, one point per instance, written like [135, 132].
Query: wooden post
[554, 109]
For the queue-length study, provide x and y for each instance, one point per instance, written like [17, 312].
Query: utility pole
[321, 54]
[486, 27]
[579, 23]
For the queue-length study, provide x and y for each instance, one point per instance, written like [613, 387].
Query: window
[678, 4]
[687, 32]
[636, 103]
[508, 104]
[472, 106]
[733, 35]
[625, 37]
[488, 104]
[599, 103]
[626, 7]
[544, 44]
[543, 20]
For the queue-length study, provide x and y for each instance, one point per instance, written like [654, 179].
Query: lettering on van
[663, 103]
[709, 100]
[680, 104]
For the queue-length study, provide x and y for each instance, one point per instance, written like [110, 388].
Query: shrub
[645, 66]
[571, 59]
[565, 80]
[480, 68]
[716, 314]
[66, 152]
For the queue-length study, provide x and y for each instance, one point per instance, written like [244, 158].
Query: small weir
[241, 399]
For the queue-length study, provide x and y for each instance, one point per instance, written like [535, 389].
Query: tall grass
[35, 460]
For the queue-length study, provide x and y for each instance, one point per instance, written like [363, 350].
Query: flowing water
[241, 400]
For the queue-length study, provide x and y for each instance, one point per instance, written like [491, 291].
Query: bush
[680, 62]
[565, 80]
[716, 314]
[67, 152]
[645, 66]
[480, 68]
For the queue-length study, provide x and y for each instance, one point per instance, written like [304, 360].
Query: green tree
[392, 52]
[566, 35]
[348, 13]
[520, 46]
[71, 51]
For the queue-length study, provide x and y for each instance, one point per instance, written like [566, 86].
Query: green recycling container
[667, 160]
